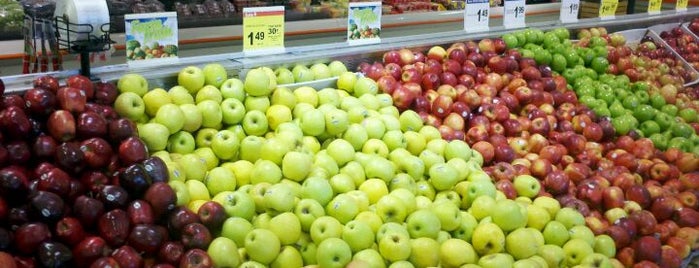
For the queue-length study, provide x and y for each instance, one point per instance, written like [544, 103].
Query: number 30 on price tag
[263, 30]
[476, 15]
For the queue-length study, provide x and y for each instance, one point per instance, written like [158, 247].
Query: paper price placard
[476, 16]
[607, 9]
[681, 5]
[570, 10]
[364, 23]
[151, 37]
[654, 6]
[263, 30]
[514, 14]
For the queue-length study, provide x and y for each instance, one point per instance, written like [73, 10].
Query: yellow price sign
[681, 5]
[654, 6]
[263, 29]
[607, 9]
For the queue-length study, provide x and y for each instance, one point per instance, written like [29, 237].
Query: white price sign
[570, 10]
[476, 15]
[514, 14]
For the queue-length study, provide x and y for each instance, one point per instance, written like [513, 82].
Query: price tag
[607, 9]
[364, 23]
[654, 6]
[476, 15]
[151, 38]
[514, 14]
[570, 10]
[681, 5]
[263, 30]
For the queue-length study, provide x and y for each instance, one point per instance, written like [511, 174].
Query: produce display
[11, 16]
[529, 150]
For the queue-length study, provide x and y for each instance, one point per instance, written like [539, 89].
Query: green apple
[375, 127]
[333, 252]
[553, 255]
[288, 257]
[342, 183]
[358, 235]
[284, 96]
[374, 188]
[375, 147]
[356, 135]
[287, 227]
[154, 99]
[569, 217]
[407, 197]
[302, 73]
[604, 244]
[225, 145]
[336, 68]
[488, 238]
[496, 260]
[154, 135]
[416, 143]
[325, 227]
[457, 149]
[423, 223]
[443, 176]
[237, 204]
[340, 150]
[430, 133]
[320, 71]
[205, 136]
[306, 94]
[180, 95]
[197, 191]
[319, 189]
[597, 260]
[236, 228]
[192, 117]
[296, 165]
[255, 123]
[170, 116]
[424, 252]
[233, 88]
[537, 217]
[265, 171]
[555, 233]
[220, 179]
[220, 252]
[329, 96]
[260, 103]
[211, 114]
[208, 92]
[262, 245]
[527, 185]
[134, 83]
[336, 121]
[466, 227]
[232, 111]
[312, 122]
[192, 78]
[448, 214]
[242, 170]
[365, 85]
[391, 209]
[456, 252]
[284, 76]
[478, 188]
[258, 83]
[576, 250]
[381, 168]
[307, 211]
[550, 204]
[431, 158]
[129, 105]
[181, 192]
[277, 114]
[214, 74]
[181, 143]
[326, 163]
[361, 198]
[583, 233]
[343, 208]
[518, 243]
[346, 81]
[395, 247]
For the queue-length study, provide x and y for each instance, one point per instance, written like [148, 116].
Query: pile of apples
[77, 186]
[683, 43]
[301, 73]
[524, 120]
[341, 178]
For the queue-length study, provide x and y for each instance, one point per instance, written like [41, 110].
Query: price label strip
[364, 23]
[514, 14]
[607, 9]
[476, 16]
[570, 10]
[654, 6]
[151, 38]
[681, 5]
[263, 30]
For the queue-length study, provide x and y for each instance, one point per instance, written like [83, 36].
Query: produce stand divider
[238, 63]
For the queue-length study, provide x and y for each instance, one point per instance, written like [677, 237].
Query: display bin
[589, 9]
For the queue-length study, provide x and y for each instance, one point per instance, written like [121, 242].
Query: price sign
[570, 10]
[364, 23]
[476, 15]
[514, 14]
[654, 6]
[681, 5]
[151, 38]
[607, 9]
[263, 30]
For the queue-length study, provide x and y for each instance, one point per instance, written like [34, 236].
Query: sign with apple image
[151, 37]
[364, 23]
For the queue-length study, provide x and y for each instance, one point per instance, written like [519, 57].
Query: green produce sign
[151, 36]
